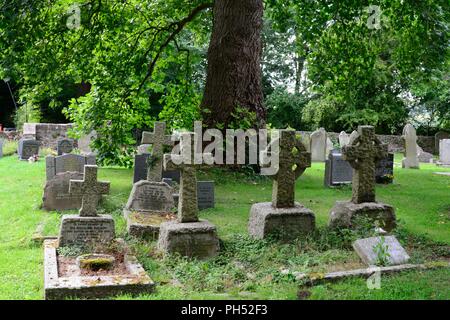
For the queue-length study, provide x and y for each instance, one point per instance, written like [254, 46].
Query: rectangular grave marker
[337, 170]
[27, 148]
[205, 194]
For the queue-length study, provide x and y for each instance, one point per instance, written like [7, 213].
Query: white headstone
[353, 136]
[410, 140]
[344, 139]
[444, 152]
[318, 143]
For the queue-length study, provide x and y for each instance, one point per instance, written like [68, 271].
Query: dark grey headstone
[140, 169]
[27, 148]
[64, 146]
[385, 169]
[67, 162]
[337, 170]
[205, 194]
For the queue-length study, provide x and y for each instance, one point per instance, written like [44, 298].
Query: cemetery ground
[245, 268]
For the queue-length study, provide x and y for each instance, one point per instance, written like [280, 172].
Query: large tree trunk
[234, 70]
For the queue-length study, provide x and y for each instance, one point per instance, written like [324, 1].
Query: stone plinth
[81, 231]
[190, 239]
[344, 213]
[287, 223]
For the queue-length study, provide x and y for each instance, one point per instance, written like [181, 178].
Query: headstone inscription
[67, 162]
[337, 170]
[88, 228]
[64, 146]
[187, 236]
[362, 154]
[367, 249]
[410, 140]
[27, 148]
[384, 171]
[284, 216]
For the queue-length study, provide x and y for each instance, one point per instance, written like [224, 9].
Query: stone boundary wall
[46, 133]
[395, 143]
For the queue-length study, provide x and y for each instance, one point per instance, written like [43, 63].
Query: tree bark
[234, 69]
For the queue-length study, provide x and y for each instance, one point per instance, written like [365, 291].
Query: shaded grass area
[245, 269]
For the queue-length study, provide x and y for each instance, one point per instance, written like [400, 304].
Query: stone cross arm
[158, 135]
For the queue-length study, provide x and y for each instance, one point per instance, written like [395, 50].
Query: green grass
[245, 268]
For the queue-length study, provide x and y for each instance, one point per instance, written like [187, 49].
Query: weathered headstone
[384, 171]
[187, 236]
[150, 204]
[158, 139]
[410, 140]
[1, 148]
[344, 139]
[88, 228]
[362, 154]
[329, 148]
[284, 216]
[27, 148]
[441, 135]
[64, 146]
[67, 162]
[56, 192]
[375, 250]
[337, 170]
[318, 141]
[205, 194]
[444, 153]
[352, 137]
[141, 168]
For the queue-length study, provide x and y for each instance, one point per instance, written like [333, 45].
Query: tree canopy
[325, 63]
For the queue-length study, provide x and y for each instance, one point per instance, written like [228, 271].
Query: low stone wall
[46, 133]
[395, 143]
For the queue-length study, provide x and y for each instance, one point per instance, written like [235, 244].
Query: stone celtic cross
[158, 139]
[90, 189]
[293, 161]
[363, 153]
[187, 202]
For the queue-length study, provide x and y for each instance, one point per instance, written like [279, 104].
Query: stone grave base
[77, 230]
[192, 239]
[344, 212]
[133, 280]
[145, 225]
[286, 223]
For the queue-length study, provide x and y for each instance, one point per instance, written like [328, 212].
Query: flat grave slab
[368, 252]
[63, 279]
